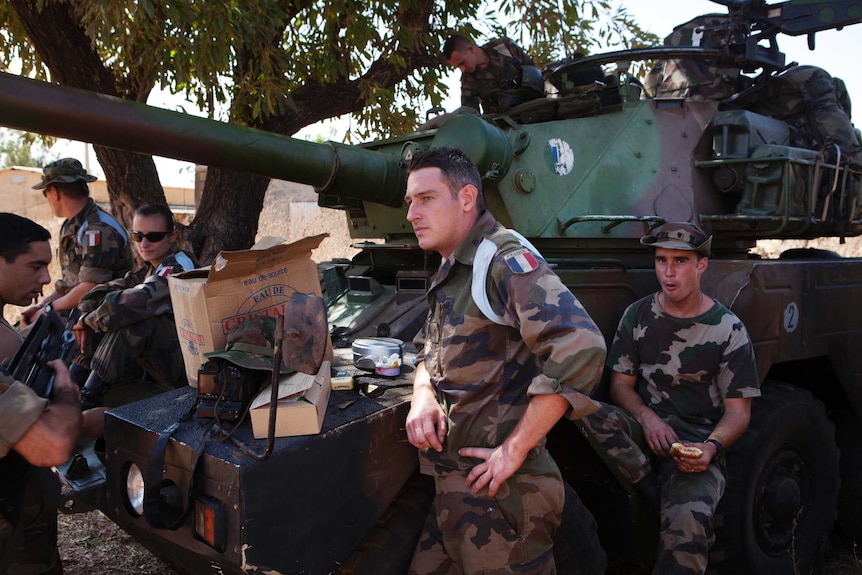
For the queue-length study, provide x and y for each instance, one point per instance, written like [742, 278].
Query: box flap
[293, 384]
[231, 264]
[267, 242]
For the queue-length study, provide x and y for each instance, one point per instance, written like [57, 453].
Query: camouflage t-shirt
[501, 75]
[484, 373]
[685, 366]
[99, 253]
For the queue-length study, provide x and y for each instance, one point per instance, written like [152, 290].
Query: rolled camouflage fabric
[251, 344]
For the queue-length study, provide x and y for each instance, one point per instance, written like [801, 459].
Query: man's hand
[696, 464]
[65, 390]
[30, 315]
[659, 435]
[426, 422]
[81, 332]
[50, 440]
[499, 465]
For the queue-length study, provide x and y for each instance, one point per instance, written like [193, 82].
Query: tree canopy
[277, 65]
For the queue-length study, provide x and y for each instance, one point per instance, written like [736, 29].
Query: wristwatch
[719, 448]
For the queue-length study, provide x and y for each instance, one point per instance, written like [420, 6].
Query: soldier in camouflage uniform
[693, 78]
[491, 75]
[34, 432]
[682, 371]
[25, 253]
[134, 313]
[94, 247]
[485, 394]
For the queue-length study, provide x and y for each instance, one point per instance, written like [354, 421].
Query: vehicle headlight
[135, 490]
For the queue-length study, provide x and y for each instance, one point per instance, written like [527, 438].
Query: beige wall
[16, 184]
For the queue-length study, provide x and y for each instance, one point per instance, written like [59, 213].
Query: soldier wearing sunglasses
[132, 317]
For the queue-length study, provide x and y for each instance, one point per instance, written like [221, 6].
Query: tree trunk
[228, 213]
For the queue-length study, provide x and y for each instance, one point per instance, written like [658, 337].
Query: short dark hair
[78, 189]
[158, 210]
[16, 235]
[455, 43]
[458, 170]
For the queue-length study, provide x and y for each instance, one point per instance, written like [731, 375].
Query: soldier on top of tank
[683, 371]
[94, 247]
[497, 75]
[485, 394]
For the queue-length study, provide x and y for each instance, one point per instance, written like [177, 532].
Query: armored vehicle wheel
[850, 496]
[782, 489]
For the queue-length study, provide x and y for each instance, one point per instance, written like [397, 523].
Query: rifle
[49, 339]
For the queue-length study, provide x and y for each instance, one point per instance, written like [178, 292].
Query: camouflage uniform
[696, 79]
[135, 315]
[816, 107]
[98, 253]
[484, 375]
[495, 85]
[31, 547]
[685, 367]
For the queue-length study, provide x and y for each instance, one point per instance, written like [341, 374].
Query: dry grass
[90, 544]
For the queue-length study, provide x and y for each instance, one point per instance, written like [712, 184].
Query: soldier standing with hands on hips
[485, 394]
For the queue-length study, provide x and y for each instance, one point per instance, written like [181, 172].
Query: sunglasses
[151, 237]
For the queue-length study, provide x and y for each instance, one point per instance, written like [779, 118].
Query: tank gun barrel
[332, 168]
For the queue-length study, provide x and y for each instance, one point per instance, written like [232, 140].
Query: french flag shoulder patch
[92, 238]
[521, 261]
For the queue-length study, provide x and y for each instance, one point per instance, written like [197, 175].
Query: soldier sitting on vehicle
[692, 78]
[494, 74]
[683, 372]
[134, 314]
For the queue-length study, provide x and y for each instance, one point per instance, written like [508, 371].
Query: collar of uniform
[82, 215]
[466, 250]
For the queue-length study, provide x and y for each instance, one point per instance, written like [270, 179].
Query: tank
[582, 173]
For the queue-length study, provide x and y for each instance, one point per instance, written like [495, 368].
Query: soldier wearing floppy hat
[94, 248]
[64, 171]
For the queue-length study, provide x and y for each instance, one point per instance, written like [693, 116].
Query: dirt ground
[90, 544]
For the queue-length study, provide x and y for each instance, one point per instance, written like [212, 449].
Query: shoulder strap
[158, 514]
[181, 259]
[481, 265]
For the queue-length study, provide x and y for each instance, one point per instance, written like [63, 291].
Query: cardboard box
[301, 405]
[240, 285]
